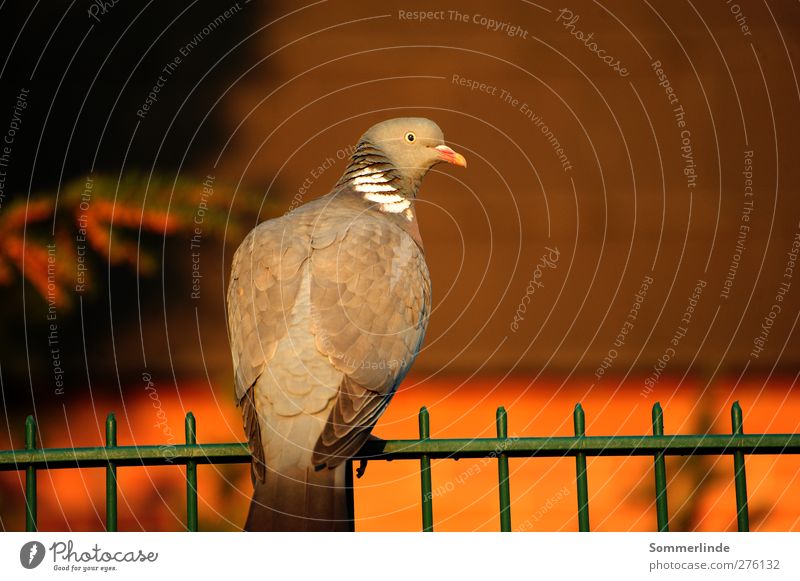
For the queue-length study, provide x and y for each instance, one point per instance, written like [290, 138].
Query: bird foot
[362, 462]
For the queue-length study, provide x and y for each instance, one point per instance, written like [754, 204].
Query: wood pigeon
[327, 309]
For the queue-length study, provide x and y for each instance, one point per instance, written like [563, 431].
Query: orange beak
[450, 156]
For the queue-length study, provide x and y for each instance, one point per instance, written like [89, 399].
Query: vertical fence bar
[660, 467]
[579, 420]
[30, 478]
[502, 473]
[739, 476]
[191, 476]
[111, 476]
[348, 489]
[425, 472]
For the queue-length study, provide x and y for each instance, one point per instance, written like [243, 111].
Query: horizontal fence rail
[658, 445]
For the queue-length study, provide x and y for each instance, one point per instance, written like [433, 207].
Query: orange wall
[621, 493]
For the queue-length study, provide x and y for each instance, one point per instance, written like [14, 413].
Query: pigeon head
[412, 144]
[392, 157]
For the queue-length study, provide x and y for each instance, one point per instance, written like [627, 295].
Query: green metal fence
[658, 445]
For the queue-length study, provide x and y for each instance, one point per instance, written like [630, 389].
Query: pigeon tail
[303, 500]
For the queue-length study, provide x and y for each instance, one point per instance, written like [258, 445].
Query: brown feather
[349, 425]
[369, 316]
[258, 468]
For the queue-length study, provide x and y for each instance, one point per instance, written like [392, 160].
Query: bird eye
[410, 137]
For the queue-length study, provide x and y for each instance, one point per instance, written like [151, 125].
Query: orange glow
[701, 495]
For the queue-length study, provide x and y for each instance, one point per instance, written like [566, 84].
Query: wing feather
[266, 274]
[369, 313]
[369, 292]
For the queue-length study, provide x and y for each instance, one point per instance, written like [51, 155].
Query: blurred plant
[110, 217]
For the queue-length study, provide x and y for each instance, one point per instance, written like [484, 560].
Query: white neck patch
[375, 188]
[391, 203]
[368, 182]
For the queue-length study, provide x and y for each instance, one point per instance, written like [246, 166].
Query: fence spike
[502, 471]
[31, 516]
[579, 421]
[425, 472]
[739, 476]
[191, 475]
[660, 469]
[111, 475]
